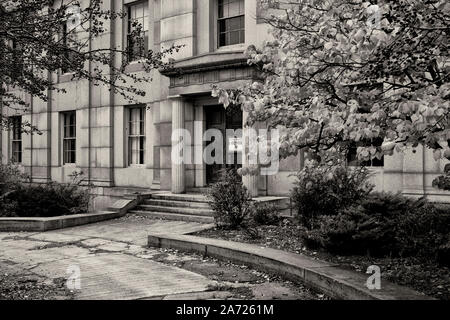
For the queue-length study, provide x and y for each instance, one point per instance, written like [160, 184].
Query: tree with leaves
[39, 38]
[343, 74]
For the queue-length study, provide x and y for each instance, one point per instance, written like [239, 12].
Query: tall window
[18, 63]
[69, 56]
[137, 21]
[231, 24]
[69, 137]
[136, 135]
[16, 141]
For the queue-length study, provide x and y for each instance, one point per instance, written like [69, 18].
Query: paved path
[112, 257]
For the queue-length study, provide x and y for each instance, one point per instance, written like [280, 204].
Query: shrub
[265, 214]
[10, 177]
[46, 200]
[384, 224]
[323, 190]
[230, 200]
[443, 254]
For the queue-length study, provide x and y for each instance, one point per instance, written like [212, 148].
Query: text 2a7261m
[245, 309]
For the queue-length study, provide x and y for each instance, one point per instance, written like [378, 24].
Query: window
[68, 54]
[18, 63]
[69, 137]
[352, 158]
[231, 22]
[136, 135]
[16, 141]
[137, 38]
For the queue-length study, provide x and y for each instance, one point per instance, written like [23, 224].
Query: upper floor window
[231, 22]
[16, 139]
[17, 56]
[137, 30]
[68, 54]
[136, 135]
[69, 137]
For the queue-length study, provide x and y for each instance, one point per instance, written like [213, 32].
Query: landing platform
[283, 203]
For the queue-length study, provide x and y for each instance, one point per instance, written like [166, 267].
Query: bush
[10, 177]
[323, 190]
[443, 254]
[384, 224]
[230, 200]
[265, 214]
[46, 200]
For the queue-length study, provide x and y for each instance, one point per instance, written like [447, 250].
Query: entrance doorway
[219, 118]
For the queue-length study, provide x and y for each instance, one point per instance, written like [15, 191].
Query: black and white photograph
[218, 158]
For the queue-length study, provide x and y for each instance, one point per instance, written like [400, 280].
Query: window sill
[69, 165]
[137, 166]
[135, 66]
[233, 47]
[17, 164]
[65, 77]
[377, 169]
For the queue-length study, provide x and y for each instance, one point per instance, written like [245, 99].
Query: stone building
[122, 148]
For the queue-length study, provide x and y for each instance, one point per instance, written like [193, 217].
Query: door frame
[223, 126]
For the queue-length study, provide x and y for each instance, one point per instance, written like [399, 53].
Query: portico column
[413, 172]
[248, 158]
[178, 167]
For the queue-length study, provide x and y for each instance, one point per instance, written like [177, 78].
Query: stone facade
[172, 101]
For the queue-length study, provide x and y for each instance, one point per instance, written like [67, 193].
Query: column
[413, 172]
[250, 181]
[178, 168]
[199, 129]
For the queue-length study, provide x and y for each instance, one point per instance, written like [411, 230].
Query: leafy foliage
[265, 214]
[34, 45]
[324, 190]
[45, 200]
[384, 224]
[230, 200]
[346, 72]
[21, 199]
[10, 177]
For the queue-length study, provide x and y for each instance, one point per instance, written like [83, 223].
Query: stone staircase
[181, 207]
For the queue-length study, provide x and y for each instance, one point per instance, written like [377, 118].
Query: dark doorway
[219, 118]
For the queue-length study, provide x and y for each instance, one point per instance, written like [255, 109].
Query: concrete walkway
[112, 257]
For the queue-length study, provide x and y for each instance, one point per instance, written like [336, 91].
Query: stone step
[180, 197]
[174, 216]
[176, 203]
[199, 190]
[178, 210]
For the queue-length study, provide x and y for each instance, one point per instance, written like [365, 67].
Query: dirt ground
[17, 283]
[239, 281]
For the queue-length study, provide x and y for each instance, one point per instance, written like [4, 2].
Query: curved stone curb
[53, 223]
[117, 210]
[326, 277]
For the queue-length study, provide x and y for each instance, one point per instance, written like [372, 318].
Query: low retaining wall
[329, 278]
[118, 209]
